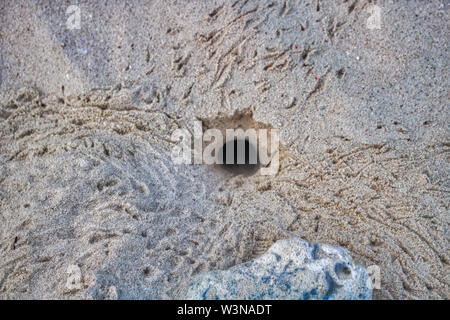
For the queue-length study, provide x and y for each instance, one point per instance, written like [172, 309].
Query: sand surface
[86, 117]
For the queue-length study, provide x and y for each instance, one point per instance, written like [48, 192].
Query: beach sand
[88, 190]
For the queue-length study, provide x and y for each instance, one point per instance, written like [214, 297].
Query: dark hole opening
[250, 164]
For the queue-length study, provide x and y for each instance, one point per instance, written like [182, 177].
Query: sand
[86, 116]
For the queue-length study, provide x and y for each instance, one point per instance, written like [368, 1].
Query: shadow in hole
[245, 159]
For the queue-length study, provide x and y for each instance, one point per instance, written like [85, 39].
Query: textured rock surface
[290, 269]
[86, 117]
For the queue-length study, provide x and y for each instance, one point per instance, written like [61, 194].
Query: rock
[290, 269]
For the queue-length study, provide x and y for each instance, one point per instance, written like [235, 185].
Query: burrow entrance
[244, 155]
[244, 152]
